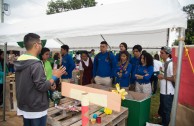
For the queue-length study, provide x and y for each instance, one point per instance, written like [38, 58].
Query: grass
[155, 102]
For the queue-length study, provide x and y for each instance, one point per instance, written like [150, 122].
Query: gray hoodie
[31, 84]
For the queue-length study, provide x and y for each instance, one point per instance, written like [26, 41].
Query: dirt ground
[11, 119]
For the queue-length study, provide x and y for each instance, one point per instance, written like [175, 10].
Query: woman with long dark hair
[144, 73]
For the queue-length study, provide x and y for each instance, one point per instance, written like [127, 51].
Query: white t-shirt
[86, 63]
[170, 88]
[157, 65]
[31, 115]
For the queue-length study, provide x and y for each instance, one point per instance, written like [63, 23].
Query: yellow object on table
[107, 111]
[120, 91]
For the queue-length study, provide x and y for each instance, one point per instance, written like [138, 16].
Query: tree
[59, 6]
[189, 33]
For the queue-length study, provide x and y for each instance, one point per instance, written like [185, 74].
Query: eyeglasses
[102, 46]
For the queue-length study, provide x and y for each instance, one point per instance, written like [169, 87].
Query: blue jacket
[124, 80]
[2, 73]
[104, 65]
[143, 70]
[135, 63]
[68, 62]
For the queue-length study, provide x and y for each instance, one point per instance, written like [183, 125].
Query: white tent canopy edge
[122, 18]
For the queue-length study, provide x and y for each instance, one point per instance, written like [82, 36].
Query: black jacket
[31, 84]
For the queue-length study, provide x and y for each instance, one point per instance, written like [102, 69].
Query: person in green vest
[44, 55]
[1, 76]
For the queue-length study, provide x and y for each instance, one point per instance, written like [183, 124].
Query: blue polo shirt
[68, 62]
[104, 66]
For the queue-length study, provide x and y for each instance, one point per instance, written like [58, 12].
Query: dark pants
[35, 122]
[154, 79]
[165, 108]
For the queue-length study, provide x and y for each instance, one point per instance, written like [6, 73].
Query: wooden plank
[112, 100]
[54, 111]
[74, 119]
[62, 101]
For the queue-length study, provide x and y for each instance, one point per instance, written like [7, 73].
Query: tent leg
[178, 74]
[4, 79]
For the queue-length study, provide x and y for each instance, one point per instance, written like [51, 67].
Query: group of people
[135, 73]
[35, 77]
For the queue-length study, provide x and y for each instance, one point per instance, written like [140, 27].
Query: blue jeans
[35, 122]
[165, 108]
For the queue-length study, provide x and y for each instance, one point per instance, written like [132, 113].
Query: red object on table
[98, 119]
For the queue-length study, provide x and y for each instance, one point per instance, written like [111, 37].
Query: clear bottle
[55, 64]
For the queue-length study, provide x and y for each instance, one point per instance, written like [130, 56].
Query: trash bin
[138, 105]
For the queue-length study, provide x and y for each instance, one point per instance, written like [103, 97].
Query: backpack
[165, 73]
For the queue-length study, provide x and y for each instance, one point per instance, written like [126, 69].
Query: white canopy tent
[122, 20]
[135, 22]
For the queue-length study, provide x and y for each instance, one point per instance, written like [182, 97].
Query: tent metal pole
[4, 79]
[103, 37]
[58, 40]
[178, 74]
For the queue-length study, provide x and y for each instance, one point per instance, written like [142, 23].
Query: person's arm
[81, 76]
[114, 65]
[71, 65]
[39, 77]
[127, 72]
[146, 76]
[171, 71]
[95, 66]
[81, 72]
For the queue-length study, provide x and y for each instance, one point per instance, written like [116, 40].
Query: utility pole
[2, 10]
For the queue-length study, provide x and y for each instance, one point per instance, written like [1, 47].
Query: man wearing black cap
[166, 85]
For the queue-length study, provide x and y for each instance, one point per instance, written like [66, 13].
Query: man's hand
[160, 76]
[59, 72]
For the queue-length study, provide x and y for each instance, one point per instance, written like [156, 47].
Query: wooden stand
[10, 100]
[56, 117]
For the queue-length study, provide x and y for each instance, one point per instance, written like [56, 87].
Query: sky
[23, 9]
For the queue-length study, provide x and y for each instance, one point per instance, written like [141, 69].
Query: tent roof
[132, 16]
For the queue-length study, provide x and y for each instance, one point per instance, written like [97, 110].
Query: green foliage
[59, 6]
[189, 33]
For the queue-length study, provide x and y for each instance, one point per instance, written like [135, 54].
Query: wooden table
[56, 116]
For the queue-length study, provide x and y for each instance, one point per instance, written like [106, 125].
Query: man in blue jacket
[135, 62]
[104, 66]
[68, 63]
